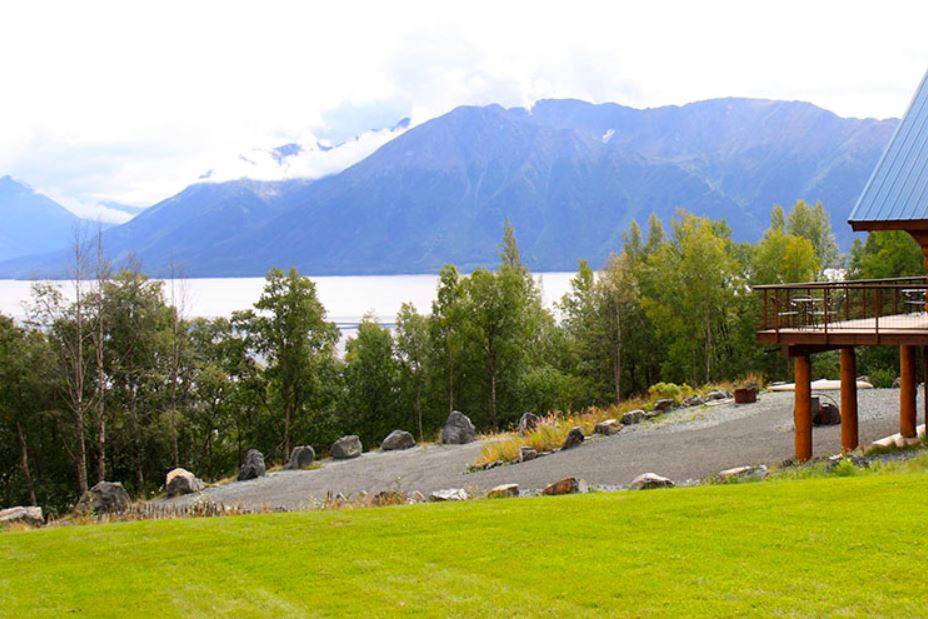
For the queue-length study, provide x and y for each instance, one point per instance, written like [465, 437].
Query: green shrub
[882, 379]
[671, 391]
[845, 468]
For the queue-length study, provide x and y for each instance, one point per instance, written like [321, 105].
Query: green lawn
[836, 546]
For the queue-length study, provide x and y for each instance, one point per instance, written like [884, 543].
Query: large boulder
[347, 447]
[528, 422]
[252, 466]
[649, 481]
[31, 515]
[301, 457]
[107, 497]
[633, 417]
[398, 439]
[574, 438]
[181, 481]
[458, 430]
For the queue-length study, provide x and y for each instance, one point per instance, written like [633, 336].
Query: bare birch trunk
[24, 462]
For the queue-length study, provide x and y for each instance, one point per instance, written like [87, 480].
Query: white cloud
[131, 102]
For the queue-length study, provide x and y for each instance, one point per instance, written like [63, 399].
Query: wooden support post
[849, 433]
[907, 386]
[802, 413]
[925, 383]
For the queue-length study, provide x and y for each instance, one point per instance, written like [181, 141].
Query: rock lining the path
[574, 438]
[30, 515]
[648, 481]
[458, 430]
[450, 494]
[181, 481]
[252, 466]
[347, 447]
[301, 457]
[398, 439]
[504, 491]
[106, 497]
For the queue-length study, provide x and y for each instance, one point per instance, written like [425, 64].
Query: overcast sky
[132, 101]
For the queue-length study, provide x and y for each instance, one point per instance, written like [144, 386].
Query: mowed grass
[836, 546]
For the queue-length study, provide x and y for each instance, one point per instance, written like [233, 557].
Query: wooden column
[907, 388]
[802, 413]
[925, 383]
[849, 433]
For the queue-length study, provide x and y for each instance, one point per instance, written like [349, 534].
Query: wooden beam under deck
[895, 330]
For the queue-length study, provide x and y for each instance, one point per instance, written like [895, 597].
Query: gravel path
[686, 444]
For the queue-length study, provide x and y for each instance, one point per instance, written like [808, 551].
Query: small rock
[527, 453]
[694, 400]
[607, 427]
[458, 430]
[253, 466]
[301, 457]
[663, 405]
[528, 422]
[451, 494]
[504, 491]
[574, 438]
[31, 515]
[716, 395]
[105, 497]
[398, 439]
[181, 481]
[744, 472]
[347, 447]
[897, 383]
[389, 497]
[416, 497]
[648, 481]
[568, 485]
[633, 417]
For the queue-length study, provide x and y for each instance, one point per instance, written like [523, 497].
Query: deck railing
[870, 305]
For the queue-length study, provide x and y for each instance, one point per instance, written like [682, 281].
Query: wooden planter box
[745, 395]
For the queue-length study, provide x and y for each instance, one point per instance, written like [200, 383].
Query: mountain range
[569, 175]
[31, 223]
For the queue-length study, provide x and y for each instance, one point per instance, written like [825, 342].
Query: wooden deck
[892, 330]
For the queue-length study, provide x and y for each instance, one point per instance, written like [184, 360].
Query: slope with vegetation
[122, 386]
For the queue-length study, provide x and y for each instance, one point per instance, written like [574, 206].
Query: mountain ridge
[570, 175]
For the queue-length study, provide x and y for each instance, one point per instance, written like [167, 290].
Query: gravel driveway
[685, 444]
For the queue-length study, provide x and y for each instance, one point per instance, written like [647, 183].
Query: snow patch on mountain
[310, 157]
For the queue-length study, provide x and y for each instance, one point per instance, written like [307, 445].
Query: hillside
[31, 223]
[569, 175]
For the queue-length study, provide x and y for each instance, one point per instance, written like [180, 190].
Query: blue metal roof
[898, 188]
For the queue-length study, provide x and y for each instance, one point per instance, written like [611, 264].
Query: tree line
[107, 378]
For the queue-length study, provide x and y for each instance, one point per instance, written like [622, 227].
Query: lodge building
[809, 318]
